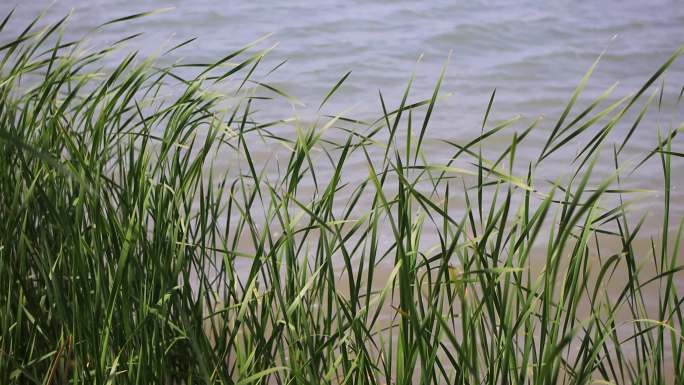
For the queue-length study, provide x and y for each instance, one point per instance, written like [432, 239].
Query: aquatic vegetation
[143, 241]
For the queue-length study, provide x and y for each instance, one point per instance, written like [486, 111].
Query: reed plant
[143, 241]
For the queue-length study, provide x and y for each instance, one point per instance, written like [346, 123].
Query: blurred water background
[532, 53]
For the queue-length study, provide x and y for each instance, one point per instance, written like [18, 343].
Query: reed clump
[128, 256]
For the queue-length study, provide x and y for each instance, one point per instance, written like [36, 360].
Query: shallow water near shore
[259, 230]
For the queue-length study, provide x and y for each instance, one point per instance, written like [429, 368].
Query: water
[533, 55]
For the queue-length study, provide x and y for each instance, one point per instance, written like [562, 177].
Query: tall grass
[128, 256]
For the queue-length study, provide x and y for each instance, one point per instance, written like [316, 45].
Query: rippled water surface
[534, 55]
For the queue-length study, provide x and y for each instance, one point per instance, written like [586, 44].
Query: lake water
[534, 55]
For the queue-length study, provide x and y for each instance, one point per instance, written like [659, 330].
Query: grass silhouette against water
[128, 256]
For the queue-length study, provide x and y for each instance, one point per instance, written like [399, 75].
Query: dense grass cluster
[128, 256]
